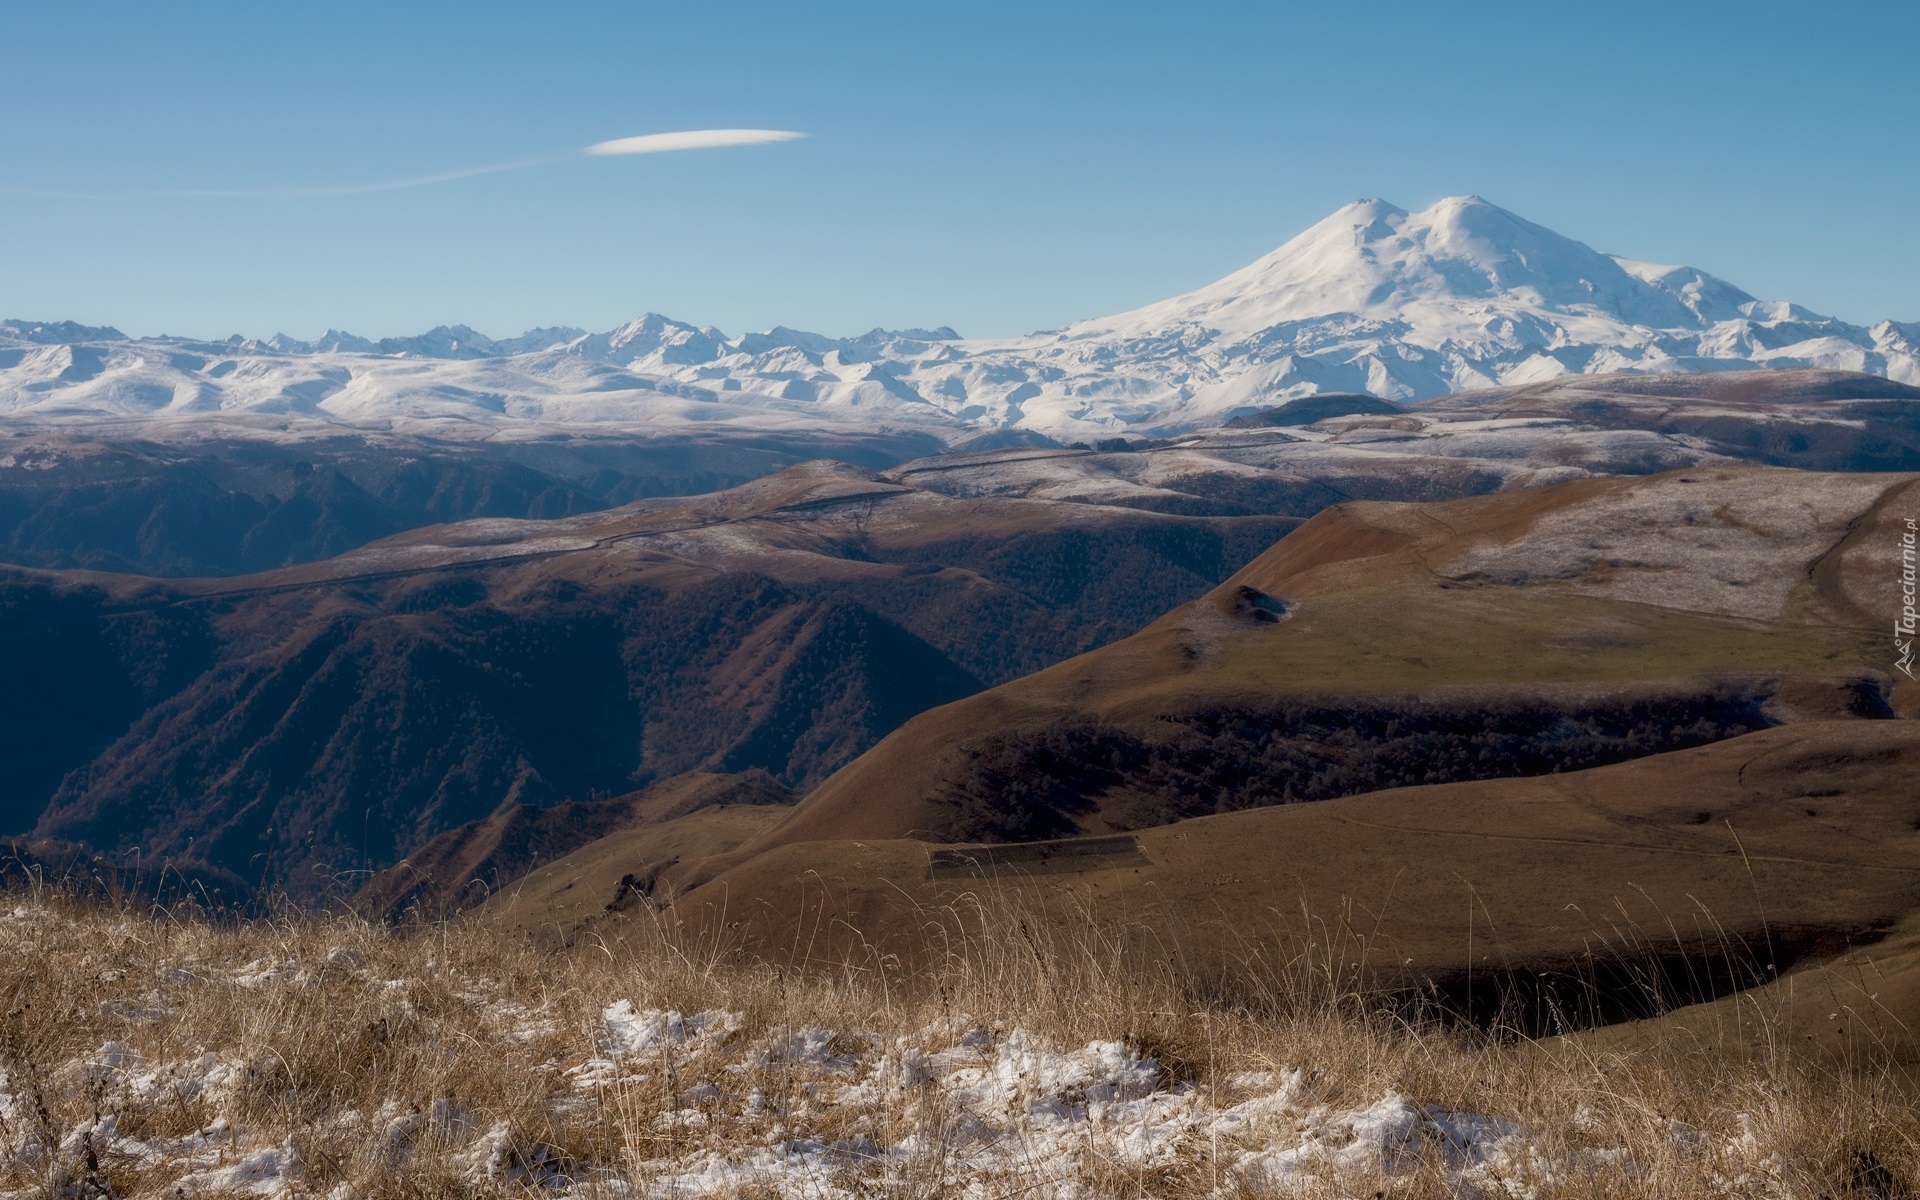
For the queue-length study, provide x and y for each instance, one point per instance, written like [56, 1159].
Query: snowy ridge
[1404, 305]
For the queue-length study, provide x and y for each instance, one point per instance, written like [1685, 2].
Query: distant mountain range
[1403, 305]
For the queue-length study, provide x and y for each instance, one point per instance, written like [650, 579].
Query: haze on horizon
[998, 171]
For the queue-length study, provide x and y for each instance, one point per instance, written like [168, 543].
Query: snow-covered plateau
[1404, 305]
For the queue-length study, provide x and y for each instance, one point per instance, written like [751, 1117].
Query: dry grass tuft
[149, 1052]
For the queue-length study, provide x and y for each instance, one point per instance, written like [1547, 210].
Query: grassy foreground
[149, 1052]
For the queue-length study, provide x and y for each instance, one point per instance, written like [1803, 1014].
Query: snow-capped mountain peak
[1375, 298]
[1373, 259]
[650, 336]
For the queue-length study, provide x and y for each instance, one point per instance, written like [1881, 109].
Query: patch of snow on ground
[632, 1040]
[701, 1109]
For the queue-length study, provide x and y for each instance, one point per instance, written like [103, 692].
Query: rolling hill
[1559, 901]
[1601, 750]
[1389, 644]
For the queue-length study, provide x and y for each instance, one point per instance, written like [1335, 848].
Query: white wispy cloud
[646, 143]
[692, 139]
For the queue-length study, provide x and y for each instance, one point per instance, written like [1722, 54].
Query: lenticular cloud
[692, 139]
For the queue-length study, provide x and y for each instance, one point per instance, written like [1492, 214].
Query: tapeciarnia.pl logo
[1903, 625]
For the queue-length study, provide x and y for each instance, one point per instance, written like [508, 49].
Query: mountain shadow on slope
[1308, 409]
[367, 732]
[381, 729]
[234, 506]
[212, 517]
[77, 670]
[747, 673]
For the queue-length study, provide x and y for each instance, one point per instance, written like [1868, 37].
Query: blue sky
[999, 168]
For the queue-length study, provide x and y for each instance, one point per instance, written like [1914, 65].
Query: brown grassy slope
[617, 873]
[1846, 1006]
[463, 866]
[1508, 634]
[1606, 893]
